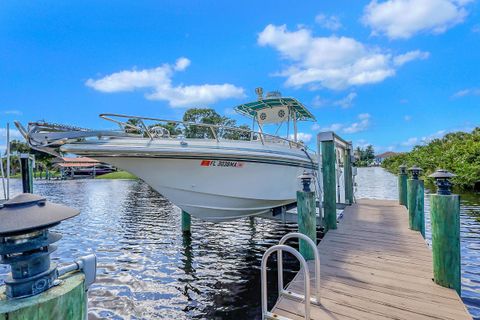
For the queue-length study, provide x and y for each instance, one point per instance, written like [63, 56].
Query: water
[148, 270]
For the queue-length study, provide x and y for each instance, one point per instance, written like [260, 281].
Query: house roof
[386, 154]
[82, 160]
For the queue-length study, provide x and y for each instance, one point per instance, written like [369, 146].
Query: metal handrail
[280, 248]
[262, 135]
[281, 291]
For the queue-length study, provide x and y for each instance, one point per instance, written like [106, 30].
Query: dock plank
[374, 267]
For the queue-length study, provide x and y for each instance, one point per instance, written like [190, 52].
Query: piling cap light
[26, 243]
[442, 180]
[27, 212]
[306, 179]
[403, 169]
[415, 171]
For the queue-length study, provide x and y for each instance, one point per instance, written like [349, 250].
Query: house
[81, 167]
[379, 158]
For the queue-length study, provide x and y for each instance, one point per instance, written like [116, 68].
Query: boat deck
[374, 267]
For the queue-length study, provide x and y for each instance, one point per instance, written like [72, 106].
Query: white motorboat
[204, 170]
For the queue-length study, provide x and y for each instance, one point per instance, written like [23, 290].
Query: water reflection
[148, 269]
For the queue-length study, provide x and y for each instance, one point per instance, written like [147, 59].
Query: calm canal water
[148, 270]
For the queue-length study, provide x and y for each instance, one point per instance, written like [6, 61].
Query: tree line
[364, 156]
[457, 152]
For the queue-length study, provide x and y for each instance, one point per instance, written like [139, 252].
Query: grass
[53, 174]
[117, 175]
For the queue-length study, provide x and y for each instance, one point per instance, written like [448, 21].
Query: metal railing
[214, 129]
[281, 291]
[306, 297]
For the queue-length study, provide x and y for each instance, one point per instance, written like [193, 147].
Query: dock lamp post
[445, 220]
[402, 185]
[307, 215]
[415, 201]
[35, 285]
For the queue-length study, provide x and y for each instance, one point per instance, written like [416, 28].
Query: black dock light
[403, 169]
[306, 179]
[26, 245]
[415, 171]
[442, 181]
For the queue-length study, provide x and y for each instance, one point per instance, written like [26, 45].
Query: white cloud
[413, 141]
[230, 112]
[407, 118]
[410, 142]
[182, 64]
[358, 126]
[362, 143]
[401, 19]
[330, 62]
[467, 92]
[346, 102]
[361, 125]
[159, 80]
[318, 101]
[328, 22]
[476, 28]
[335, 127]
[409, 56]
[302, 136]
[14, 134]
[13, 112]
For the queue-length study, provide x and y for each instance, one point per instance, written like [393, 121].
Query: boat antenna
[259, 92]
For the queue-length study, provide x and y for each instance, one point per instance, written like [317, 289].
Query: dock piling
[415, 201]
[402, 185]
[27, 164]
[329, 180]
[445, 220]
[348, 175]
[307, 216]
[186, 222]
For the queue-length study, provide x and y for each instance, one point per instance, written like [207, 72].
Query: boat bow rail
[45, 136]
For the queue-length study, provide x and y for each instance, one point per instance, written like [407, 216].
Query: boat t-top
[213, 172]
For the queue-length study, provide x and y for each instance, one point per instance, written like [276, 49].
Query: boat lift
[334, 181]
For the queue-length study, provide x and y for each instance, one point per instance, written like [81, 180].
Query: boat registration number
[221, 163]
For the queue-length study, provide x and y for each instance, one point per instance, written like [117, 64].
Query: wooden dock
[374, 267]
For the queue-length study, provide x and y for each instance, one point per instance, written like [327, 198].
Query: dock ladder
[279, 248]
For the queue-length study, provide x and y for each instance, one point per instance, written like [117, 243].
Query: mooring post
[186, 222]
[348, 175]
[26, 163]
[415, 201]
[327, 147]
[445, 220]
[307, 216]
[402, 185]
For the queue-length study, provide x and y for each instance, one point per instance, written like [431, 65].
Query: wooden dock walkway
[374, 267]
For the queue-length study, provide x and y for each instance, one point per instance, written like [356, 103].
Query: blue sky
[391, 73]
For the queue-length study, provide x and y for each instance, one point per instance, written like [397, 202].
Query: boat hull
[209, 180]
[213, 190]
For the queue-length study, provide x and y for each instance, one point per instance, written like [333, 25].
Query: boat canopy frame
[300, 112]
